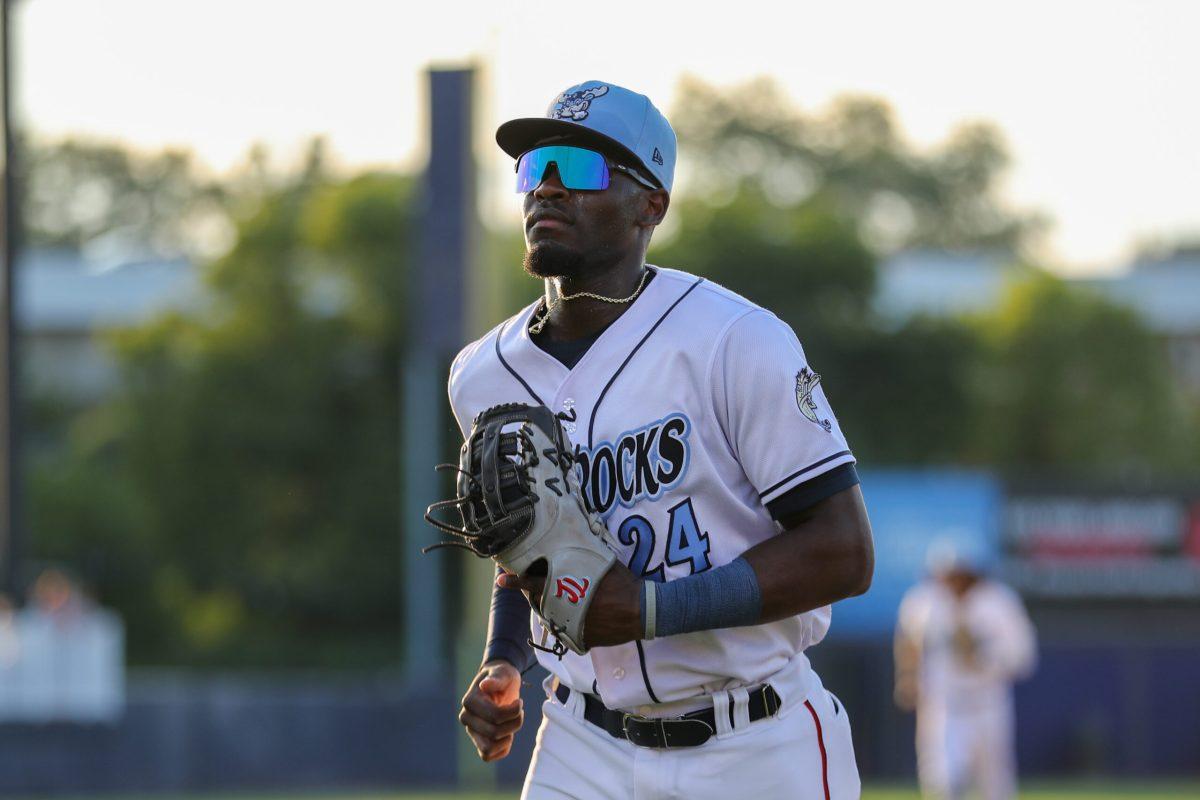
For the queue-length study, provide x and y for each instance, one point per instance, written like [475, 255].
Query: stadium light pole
[10, 538]
[446, 248]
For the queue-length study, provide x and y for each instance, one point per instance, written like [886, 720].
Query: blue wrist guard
[725, 597]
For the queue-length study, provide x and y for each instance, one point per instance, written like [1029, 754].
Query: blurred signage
[1083, 545]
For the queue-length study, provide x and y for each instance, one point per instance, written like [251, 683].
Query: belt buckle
[657, 723]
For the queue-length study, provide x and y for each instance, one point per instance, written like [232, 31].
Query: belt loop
[577, 704]
[741, 707]
[722, 706]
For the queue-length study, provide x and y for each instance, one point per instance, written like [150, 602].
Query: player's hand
[615, 615]
[492, 711]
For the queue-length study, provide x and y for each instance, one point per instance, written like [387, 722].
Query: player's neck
[584, 316]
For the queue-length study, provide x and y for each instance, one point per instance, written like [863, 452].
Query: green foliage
[77, 192]
[238, 498]
[906, 396]
[854, 153]
[502, 256]
[1073, 382]
[804, 263]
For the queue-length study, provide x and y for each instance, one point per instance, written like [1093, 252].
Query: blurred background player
[962, 639]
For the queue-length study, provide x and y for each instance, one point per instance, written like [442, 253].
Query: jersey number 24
[686, 543]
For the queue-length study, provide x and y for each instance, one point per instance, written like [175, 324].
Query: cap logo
[574, 105]
[657, 157]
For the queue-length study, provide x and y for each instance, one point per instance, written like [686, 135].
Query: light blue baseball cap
[604, 116]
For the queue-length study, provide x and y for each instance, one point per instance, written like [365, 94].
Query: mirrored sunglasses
[578, 168]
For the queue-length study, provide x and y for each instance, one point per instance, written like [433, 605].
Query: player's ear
[654, 206]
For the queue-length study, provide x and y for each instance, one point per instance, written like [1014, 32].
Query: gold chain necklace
[540, 322]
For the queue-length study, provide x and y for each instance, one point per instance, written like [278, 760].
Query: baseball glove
[520, 505]
[965, 646]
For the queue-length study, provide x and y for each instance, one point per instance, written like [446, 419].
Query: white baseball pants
[804, 752]
[958, 750]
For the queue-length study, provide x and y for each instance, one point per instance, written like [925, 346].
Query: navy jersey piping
[645, 674]
[632, 353]
[591, 430]
[514, 373]
[800, 472]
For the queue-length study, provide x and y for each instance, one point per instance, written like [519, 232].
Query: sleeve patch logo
[572, 588]
[806, 383]
[574, 105]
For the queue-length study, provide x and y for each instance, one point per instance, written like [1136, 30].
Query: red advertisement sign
[1068, 545]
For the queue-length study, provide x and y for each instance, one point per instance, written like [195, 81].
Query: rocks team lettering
[643, 464]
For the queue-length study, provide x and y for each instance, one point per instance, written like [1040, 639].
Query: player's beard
[550, 259]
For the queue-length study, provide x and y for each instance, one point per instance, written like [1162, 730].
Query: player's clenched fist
[492, 711]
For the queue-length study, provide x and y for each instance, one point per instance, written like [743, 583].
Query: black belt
[689, 730]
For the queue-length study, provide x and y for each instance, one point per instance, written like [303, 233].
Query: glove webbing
[497, 507]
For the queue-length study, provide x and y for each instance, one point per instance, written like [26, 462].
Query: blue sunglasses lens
[577, 168]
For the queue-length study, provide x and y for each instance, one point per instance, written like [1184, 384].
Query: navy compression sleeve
[508, 628]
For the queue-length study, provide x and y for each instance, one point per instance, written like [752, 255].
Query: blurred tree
[113, 200]
[906, 396]
[806, 263]
[1075, 383]
[854, 153]
[503, 251]
[1156, 249]
[237, 500]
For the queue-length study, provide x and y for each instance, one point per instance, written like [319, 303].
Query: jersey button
[618, 673]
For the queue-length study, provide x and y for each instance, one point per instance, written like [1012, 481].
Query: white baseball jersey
[694, 409]
[1002, 649]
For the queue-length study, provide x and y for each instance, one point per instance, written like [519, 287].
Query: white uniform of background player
[962, 639]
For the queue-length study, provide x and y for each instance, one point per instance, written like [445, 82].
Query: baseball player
[709, 451]
[961, 640]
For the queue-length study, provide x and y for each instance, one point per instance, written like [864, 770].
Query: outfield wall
[1090, 710]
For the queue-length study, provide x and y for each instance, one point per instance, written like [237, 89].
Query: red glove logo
[571, 587]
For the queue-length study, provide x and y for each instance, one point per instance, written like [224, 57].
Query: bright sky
[1099, 101]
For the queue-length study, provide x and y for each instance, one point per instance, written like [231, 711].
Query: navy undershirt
[570, 352]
